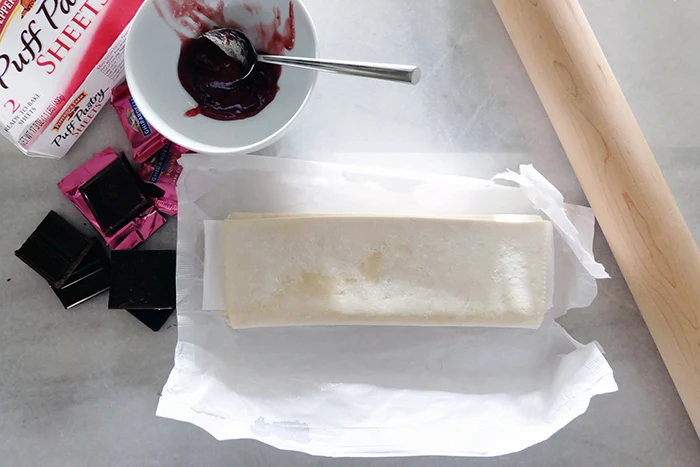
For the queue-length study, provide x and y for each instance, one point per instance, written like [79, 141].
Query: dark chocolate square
[114, 196]
[54, 249]
[142, 280]
[90, 279]
[154, 319]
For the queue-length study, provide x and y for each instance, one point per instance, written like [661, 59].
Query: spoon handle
[399, 73]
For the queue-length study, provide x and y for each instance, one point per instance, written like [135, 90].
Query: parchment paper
[376, 391]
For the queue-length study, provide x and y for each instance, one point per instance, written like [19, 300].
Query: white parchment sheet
[376, 391]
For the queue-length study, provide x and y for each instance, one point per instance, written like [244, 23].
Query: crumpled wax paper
[378, 391]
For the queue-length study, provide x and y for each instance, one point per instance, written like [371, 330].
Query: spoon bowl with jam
[193, 94]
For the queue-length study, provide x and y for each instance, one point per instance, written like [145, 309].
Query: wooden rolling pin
[618, 172]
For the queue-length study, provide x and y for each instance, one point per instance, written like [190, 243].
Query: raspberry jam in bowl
[189, 90]
[215, 81]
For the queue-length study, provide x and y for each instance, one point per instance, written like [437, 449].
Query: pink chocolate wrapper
[163, 171]
[132, 234]
[144, 139]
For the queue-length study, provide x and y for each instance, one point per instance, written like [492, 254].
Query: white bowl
[152, 53]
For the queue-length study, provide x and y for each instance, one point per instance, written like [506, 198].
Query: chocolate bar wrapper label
[134, 232]
[144, 139]
[163, 170]
[58, 64]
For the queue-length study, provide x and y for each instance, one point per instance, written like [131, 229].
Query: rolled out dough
[334, 270]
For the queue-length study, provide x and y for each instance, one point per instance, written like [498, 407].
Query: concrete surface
[80, 387]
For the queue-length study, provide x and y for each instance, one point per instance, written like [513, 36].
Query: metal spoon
[236, 45]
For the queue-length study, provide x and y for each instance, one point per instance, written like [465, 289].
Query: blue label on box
[161, 163]
[143, 124]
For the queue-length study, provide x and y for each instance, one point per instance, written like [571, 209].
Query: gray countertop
[81, 387]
